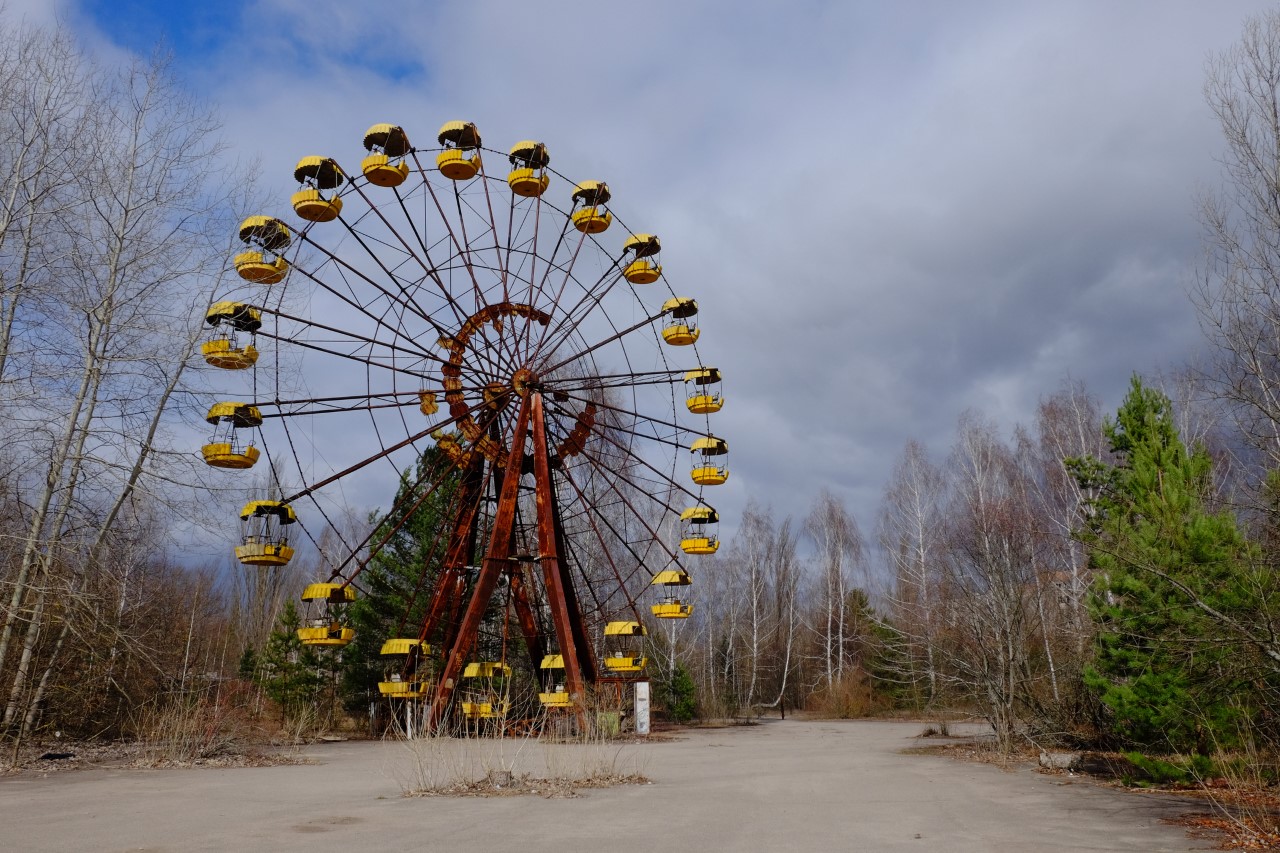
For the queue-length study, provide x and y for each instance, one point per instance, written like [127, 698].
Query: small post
[642, 707]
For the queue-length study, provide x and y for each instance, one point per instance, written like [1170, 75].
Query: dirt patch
[722, 724]
[510, 785]
[981, 750]
[64, 757]
[327, 824]
[265, 759]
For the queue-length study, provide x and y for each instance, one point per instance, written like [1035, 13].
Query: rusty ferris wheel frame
[504, 319]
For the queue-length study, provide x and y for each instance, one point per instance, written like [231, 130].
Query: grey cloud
[888, 214]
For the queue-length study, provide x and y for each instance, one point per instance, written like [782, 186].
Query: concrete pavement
[780, 786]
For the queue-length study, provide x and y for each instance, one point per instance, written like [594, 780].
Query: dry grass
[470, 766]
[183, 733]
[851, 698]
[548, 756]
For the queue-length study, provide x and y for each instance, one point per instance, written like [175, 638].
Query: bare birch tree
[757, 537]
[911, 523]
[838, 544]
[1068, 426]
[990, 575]
[43, 113]
[139, 240]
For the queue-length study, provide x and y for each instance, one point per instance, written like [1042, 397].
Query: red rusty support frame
[586, 660]
[495, 563]
[528, 622]
[549, 554]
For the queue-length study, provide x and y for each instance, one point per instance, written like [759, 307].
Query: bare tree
[752, 614]
[990, 574]
[43, 113]
[911, 523]
[1068, 426]
[839, 549]
[140, 241]
[1238, 293]
[757, 536]
[784, 578]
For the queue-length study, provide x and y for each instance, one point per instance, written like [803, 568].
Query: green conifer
[1161, 663]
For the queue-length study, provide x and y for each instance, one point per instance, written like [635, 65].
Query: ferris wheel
[504, 322]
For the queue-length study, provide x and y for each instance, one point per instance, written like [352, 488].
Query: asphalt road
[779, 786]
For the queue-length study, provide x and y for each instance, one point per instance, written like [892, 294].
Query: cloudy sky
[889, 213]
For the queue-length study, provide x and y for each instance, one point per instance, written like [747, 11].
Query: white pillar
[642, 707]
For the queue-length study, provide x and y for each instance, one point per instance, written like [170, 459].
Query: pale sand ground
[779, 786]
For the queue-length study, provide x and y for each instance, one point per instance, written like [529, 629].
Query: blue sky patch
[190, 30]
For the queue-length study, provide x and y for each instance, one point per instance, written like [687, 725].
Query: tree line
[115, 208]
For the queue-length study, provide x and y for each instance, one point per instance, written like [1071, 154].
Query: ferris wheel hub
[524, 380]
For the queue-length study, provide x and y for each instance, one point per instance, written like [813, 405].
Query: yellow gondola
[458, 138]
[707, 471]
[266, 237]
[681, 326]
[491, 710]
[264, 541]
[625, 643]
[225, 449]
[484, 690]
[592, 217]
[670, 581]
[703, 395]
[387, 145]
[528, 176]
[698, 525]
[644, 268]
[401, 647]
[396, 688]
[326, 634]
[324, 617]
[318, 175]
[406, 678]
[553, 675]
[223, 350]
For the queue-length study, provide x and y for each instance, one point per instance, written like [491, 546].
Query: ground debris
[1230, 833]
[247, 759]
[79, 755]
[65, 755]
[982, 750]
[509, 785]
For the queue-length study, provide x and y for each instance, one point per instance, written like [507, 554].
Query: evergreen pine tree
[248, 667]
[1161, 663]
[679, 696]
[289, 672]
